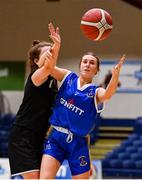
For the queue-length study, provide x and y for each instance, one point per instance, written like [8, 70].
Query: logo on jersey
[69, 104]
[83, 161]
[90, 93]
[70, 82]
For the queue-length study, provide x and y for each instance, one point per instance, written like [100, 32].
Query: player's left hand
[117, 68]
[54, 34]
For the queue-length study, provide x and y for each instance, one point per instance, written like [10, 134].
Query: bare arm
[42, 73]
[49, 58]
[57, 73]
[106, 94]
[55, 36]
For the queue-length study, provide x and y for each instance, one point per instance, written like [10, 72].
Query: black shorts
[24, 150]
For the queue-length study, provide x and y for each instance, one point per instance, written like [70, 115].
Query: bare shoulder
[100, 91]
[100, 94]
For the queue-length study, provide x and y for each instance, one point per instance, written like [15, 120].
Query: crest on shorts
[47, 145]
[83, 161]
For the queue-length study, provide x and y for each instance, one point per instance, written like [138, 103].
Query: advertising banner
[63, 173]
[4, 168]
[130, 76]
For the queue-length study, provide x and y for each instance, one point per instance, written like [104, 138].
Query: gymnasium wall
[22, 21]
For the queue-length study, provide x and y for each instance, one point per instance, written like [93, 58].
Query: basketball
[96, 24]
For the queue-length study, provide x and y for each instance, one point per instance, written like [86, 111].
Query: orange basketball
[96, 24]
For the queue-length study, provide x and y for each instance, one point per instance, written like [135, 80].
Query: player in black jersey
[31, 124]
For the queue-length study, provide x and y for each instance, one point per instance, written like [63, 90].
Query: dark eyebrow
[89, 59]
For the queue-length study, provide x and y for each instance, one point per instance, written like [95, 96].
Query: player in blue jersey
[74, 116]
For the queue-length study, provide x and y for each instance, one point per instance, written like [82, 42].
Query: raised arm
[47, 60]
[57, 73]
[55, 36]
[44, 70]
[106, 94]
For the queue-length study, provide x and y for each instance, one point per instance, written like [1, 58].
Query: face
[88, 66]
[40, 62]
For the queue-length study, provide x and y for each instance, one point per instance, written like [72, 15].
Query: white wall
[14, 98]
[124, 105]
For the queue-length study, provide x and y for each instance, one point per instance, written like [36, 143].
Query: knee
[47, 175]
[31, 175]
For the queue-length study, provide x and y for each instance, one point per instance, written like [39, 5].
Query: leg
[49, 167]
[31, 175]
[79, 158]
[82, 176]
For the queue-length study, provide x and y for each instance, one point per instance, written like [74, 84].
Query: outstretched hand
[117, 68]
[54, 34]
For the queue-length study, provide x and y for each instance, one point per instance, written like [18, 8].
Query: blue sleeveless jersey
[75, 107]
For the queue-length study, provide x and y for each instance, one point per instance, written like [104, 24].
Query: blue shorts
[76, 152]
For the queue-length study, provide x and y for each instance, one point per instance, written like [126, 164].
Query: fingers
[55, 39]
[54, 33]
[122, 59]
[51, 28]
[124, 56]
[120, 63]
[57, 30]
[46, 55]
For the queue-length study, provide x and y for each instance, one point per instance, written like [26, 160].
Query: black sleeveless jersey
[36, 106]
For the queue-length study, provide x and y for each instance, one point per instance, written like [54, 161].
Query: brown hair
[34, 52]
